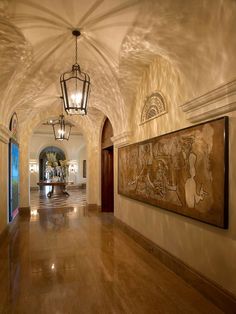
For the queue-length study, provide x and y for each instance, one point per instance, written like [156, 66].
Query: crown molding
[122, 139]
[215, 103]
[5, 134]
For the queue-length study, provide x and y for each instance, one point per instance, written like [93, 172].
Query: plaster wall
[93, 166]
[81, 157]
[74, 150]
[207, 249]
[24, 173]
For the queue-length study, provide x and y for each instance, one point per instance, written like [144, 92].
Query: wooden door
[107, 180]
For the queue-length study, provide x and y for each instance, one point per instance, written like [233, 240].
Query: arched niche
[60, 155]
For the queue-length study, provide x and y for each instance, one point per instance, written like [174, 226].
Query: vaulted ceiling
[120, 39]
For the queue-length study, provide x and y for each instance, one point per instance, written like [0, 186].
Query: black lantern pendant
[75, 87]
[61, 128]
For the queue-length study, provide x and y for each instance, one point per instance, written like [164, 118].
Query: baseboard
[73, 187]
[94, 207]
[8, 230]
[34, 188]
[4, 234]
[24, 210]
[212, 291]
[76, 186]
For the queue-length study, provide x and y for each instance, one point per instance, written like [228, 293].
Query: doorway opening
[60, 155]
[107, 168]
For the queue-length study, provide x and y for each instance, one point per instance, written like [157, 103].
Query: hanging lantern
[61, 129]
[75, 86]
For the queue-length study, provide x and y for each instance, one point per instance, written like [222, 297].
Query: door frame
[102, 146]
[109, 148]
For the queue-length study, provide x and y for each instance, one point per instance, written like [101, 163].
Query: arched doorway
[60, 155]
[107, 168]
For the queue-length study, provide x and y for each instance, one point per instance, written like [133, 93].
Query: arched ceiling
[45, 35]
[195, 36]
[120, 38]
[89, 126]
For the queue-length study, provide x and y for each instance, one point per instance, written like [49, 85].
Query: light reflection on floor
[67, 259]
[58, 206]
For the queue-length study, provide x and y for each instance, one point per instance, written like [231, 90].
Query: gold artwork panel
[185, 171]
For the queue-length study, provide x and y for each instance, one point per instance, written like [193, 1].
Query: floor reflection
[39, 199]
[68, 259]
[54, 219]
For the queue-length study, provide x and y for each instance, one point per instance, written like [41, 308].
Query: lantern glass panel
[61, 130]
[75, 86]
[75, 94]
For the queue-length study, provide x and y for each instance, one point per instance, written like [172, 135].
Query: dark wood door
[41, 170]
[107, 180]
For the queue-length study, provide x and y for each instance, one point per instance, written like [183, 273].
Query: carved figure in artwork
[190, 186]
[140, 183]
[162, 187]
[161, 182]
[191, 195]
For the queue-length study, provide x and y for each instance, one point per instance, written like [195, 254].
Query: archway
[60, 155]
[107, 168]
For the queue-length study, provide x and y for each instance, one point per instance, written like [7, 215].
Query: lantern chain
[62, 104]
[76, 53]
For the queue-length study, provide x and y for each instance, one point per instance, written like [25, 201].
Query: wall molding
[215, 103]
[122, 139]
[210, 290]
[5, 134]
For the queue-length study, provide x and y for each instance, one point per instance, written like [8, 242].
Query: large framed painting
[13, 179]
[185, 171]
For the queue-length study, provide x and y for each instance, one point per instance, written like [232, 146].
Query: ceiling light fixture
[75, 86]
[61, 128]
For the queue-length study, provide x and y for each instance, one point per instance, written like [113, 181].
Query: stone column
[93, 168]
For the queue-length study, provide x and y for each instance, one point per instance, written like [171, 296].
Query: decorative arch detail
[154, 107]
[13, 126]
[60, 155]
[53, 149]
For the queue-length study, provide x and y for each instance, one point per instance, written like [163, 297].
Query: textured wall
[82, 156]
[207, 249]
[196, 36]
[181, 48]
[93, 182]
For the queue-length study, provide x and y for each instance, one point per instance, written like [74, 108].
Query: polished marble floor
[66, 259]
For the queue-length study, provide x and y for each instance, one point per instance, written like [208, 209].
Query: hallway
[71, 260]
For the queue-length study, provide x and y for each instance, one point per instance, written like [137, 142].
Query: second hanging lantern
[61, 128]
